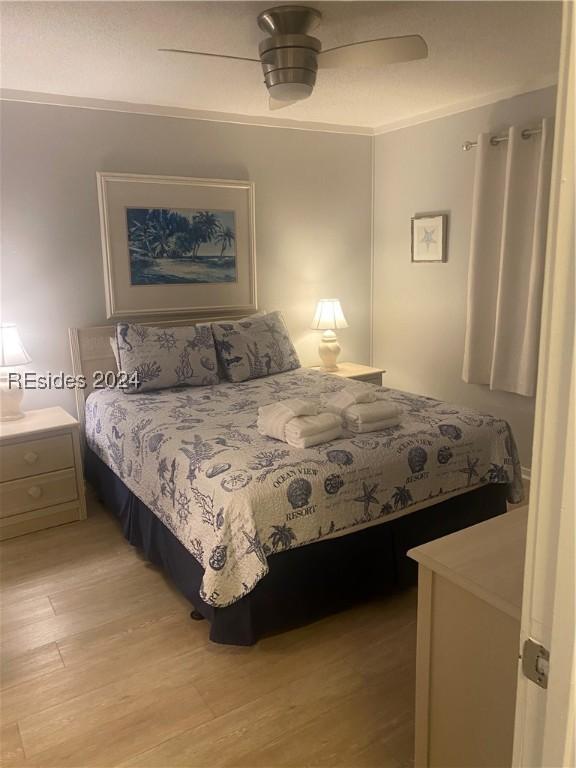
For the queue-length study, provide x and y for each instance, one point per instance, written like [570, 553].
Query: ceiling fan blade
[274, 104]
[374, 53]
[204, 53]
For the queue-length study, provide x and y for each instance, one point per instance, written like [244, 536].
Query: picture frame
[429, 237]
[176, 245]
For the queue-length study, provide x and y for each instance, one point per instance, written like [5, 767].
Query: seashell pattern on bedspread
[234, 497]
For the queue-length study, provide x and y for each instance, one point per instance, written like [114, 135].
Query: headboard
[91, 350]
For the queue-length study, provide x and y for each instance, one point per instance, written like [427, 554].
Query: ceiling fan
[290, 57]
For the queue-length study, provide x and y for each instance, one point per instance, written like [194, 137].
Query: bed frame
[303, 584]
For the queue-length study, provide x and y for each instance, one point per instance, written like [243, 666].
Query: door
[544, 725]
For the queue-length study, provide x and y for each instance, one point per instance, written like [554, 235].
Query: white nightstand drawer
[27, 494]
[35, 457]
[38, 519]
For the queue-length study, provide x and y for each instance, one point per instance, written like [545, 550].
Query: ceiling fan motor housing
[289, 59]
[289, 55]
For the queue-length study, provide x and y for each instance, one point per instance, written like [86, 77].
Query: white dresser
[469, 605]
[41, 479]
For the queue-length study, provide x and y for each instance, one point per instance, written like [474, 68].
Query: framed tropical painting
[175, 245]
[429, 237]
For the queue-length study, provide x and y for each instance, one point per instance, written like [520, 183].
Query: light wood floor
[102, 666]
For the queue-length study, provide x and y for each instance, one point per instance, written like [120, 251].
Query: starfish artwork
[255, 547]
[368, 497]
[428, 238]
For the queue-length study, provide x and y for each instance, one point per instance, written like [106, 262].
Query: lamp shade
[329, 316]
[12, 350]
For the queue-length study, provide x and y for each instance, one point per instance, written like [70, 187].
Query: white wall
[419, 309]
[313, 230]
[313, 218]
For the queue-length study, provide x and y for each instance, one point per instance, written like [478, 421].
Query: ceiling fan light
[290, 91]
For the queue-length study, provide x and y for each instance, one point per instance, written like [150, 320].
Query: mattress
[234, 498]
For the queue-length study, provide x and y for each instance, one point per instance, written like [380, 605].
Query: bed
[260, 535]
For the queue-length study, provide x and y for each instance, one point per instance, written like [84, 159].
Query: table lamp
[12, 354]
[328, 317]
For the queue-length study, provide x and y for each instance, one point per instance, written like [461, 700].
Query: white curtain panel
[507, 249]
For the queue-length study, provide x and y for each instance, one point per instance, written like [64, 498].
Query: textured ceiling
[108, 50]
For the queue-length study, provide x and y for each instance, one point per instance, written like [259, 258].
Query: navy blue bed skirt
[306, 583]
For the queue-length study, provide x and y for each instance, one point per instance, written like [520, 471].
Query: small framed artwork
[175, 245]
[429, 237]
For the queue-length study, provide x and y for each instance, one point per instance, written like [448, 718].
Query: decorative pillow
[167, 357]
[114, 346]
[254, 347]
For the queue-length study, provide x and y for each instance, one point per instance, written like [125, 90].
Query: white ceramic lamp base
[10, 400]
[329, 350]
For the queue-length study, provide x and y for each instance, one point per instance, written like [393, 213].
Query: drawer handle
[35, 491]
[30, 457]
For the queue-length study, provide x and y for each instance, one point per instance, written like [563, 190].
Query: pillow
[254, 347]
[114, 345]
[167, 357]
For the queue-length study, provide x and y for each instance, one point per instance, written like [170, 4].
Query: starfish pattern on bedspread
[235, 498]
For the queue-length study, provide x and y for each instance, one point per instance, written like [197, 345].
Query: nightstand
[355, 371]
[41, 479]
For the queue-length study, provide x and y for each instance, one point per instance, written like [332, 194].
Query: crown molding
[156, 110]
[467, 105]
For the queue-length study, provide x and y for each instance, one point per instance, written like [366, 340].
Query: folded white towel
[372, 426]
[272, 419]
[316, 439]
[308, 426]
[363, 413]
[339, 401]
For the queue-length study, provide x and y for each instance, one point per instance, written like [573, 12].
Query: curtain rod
[495, 140]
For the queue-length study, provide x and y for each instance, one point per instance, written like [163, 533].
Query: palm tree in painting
[181, 244]
[196, 237]
[166, 226]
[141, 239]
[153, 235]
[205, 227]
[224, 237]
[209, 223]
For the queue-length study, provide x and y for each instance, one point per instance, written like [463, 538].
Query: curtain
[506, 272]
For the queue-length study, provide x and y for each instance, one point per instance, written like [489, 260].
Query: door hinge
[535, 662]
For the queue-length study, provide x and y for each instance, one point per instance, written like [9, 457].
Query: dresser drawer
[35, 457]
[27, 494]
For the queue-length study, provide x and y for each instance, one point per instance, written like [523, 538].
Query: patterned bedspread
[234, 497]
